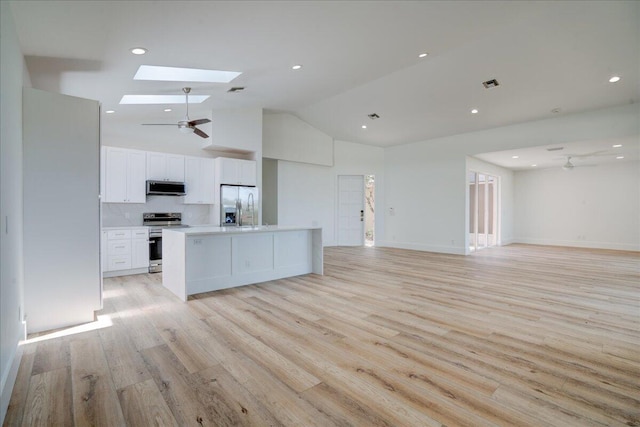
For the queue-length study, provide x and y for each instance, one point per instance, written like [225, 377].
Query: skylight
[175, 74]
[161, 99]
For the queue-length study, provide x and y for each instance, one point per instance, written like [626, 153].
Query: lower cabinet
[126, 251]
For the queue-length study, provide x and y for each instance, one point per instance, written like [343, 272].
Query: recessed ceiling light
[614, 79]
[166, 110]
[161, 99]
[617, 145]
[110, 111]
[533, 166]
[176, 74]
[138, 51]
[474, 111]
[296, 67]
[515, 157]
[620, 157]
[423, 54]
[364, 126]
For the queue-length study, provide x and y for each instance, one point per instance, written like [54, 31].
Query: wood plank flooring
[513, 336]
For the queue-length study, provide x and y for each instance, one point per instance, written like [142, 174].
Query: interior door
[350, 210]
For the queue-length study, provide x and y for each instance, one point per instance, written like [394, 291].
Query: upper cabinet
[165, 167]
[199, 179]
[124, 175]
[235, 171]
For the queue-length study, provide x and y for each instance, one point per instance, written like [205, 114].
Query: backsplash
[130, 214]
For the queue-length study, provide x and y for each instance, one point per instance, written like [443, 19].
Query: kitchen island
[208, 258]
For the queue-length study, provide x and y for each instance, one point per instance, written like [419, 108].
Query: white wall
[425, 182]
[596, 207]
[308, 194]
[269, 191]
[13, 76]
[286, 137]
[506, 184]
[61, 150]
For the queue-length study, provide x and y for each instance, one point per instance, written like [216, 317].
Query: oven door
[155, 252]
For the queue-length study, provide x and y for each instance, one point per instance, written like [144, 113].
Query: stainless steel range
[156, 222]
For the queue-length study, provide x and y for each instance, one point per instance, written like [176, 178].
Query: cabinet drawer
[115, 263]
[142, 233]
[119, 247]
[118, 234]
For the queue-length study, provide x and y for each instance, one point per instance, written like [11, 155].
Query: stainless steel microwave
[165, 188]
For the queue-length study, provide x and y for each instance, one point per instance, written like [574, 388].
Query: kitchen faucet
[251, 202]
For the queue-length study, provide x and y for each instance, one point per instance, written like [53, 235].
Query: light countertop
[125, 227]
[211, 229]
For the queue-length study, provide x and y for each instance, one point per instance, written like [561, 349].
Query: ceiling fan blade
[200, 133]
[198, 122]
[158, 124]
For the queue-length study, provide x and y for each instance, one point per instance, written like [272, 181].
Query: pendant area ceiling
[357, 57]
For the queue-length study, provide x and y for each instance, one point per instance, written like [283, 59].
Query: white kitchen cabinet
[235, 171]
[126, 251]
[124, 175]
[140, 249]
[199, 180]
[165, 167]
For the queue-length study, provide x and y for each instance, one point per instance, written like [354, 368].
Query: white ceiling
[358, 57]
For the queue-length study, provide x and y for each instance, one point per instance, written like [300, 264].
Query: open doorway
[484, 201]
[369, 209]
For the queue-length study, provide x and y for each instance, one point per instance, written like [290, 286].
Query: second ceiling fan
[186, 125]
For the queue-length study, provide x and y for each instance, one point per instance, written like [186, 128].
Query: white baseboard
[579, 244]
[8, 381]
[454, 250]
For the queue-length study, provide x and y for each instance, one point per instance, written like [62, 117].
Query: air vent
[555, 149]
[373, 116]
[490, 83]
[236, 89]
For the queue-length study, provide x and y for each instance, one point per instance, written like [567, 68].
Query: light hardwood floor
[518, 335]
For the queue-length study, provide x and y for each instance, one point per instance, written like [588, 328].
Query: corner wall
[593, 207]
[12, 79]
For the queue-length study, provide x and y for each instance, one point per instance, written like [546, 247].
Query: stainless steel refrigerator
[239, 205]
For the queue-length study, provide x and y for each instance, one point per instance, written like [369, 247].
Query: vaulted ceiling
[357, 57]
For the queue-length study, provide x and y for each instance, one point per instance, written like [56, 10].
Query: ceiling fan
[569, 166]
[186, 125]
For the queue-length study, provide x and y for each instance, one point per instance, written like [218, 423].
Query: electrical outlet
[392, 211]
[453, 242]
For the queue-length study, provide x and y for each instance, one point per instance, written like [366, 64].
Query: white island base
[203, 259]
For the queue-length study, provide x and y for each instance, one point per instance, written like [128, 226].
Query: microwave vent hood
[165, 188]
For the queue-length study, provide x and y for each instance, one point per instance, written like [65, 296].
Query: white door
[350, 210]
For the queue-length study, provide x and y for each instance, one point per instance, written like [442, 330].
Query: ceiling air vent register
[490, 83]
